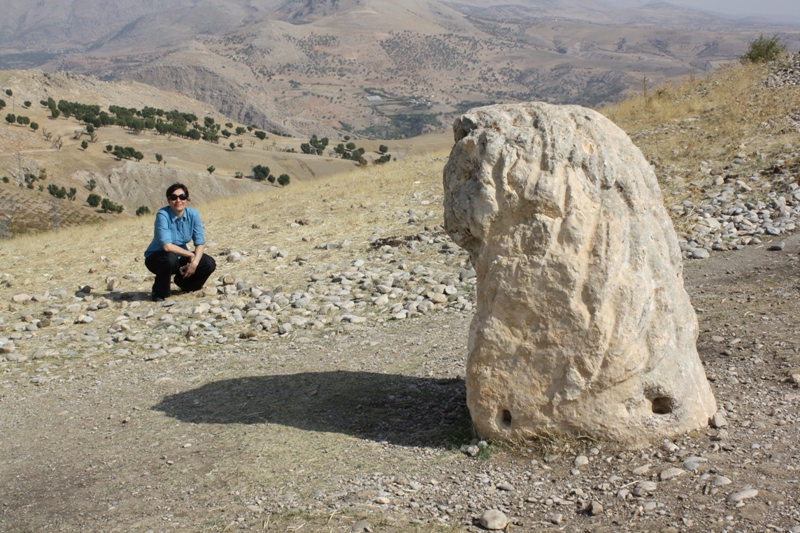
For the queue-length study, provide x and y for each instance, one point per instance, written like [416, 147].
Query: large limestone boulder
[583, 326]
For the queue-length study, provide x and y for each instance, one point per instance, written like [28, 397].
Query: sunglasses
[173, 197]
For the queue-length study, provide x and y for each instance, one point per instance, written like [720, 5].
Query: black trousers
[166, 264]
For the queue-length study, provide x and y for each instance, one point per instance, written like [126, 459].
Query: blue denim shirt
[169, 229]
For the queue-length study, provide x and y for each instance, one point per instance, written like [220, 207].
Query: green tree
[2, 103]
[261, 134]
[211, 169]
[233, 146]
[764, 49]
[84, 145]
[225, 133]
[351, 146]
[383, 148]
[240, 130]
[9, 92]
[142, 210]
[208, 121]
[284, 180]
[229, 124]
[159, 158]
[109, 148]
[55, 190]
[91, 184]
[93, 200]
[26, 103]
[55, 113]
[23, 120]
[71, 194]
[110, 207]
[34, 126]
[11, 118]
[271, 178]
[260, 172]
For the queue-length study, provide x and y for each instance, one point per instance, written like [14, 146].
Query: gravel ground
[362, 426]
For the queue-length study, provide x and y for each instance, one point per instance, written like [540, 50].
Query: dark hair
[175, 186]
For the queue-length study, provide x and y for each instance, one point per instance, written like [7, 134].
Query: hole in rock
[662, 405]
[507, 418]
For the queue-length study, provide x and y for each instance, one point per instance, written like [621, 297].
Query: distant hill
[373, 68]
[54, 154]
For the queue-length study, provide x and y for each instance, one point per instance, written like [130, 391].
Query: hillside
[317, 385]
[55, 149]
[374, 68]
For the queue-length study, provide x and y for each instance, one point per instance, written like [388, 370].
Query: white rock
[566, 228]
[493, 520]
[742, 495]
[671, 473]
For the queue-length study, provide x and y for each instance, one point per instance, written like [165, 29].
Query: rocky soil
[316, 385]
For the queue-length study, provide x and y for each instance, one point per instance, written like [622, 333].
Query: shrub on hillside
[110, 207]
[260, 172]
[284, 180]
[142, 210]
[93, 200]
[126, 152]
[55, 190]
[764, 49]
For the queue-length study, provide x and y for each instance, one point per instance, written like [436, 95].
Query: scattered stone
[777, 246]
[580, 461]
[595, 508]
[472, 451]
[670, 473]
[362, 526]
[493, 520]
[720, 481]
[746, 494]
[718, 420]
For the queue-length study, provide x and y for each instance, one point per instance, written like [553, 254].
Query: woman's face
[177, 201]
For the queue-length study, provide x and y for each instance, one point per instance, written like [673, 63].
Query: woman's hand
[189, 268]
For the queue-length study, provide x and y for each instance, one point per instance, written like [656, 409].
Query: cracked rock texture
[583, 326]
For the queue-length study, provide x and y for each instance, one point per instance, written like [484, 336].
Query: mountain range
[373, 68]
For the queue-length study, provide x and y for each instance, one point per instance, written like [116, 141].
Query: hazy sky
[768, 8]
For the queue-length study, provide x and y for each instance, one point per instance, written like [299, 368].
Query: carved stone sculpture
[582, 326]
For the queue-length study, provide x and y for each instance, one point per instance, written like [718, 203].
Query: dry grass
[352, 206]
[709, 119]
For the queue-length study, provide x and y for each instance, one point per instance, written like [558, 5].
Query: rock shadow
[403, 410]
